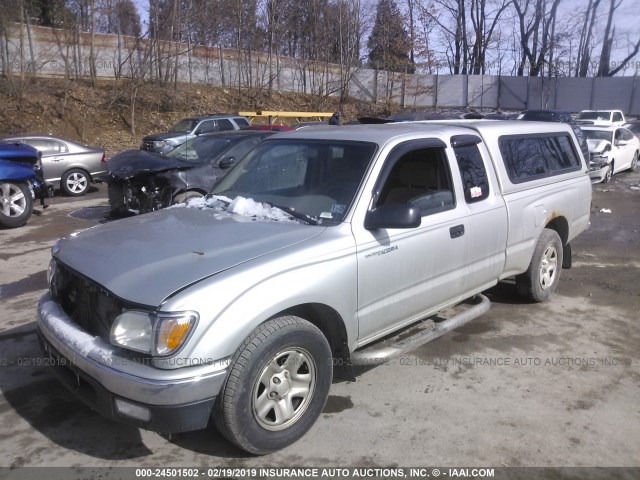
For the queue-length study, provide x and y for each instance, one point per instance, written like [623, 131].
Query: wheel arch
[332, 326]
[560, 225]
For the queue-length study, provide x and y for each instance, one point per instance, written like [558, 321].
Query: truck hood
[130, 163]
[597, 146]
[145, 259]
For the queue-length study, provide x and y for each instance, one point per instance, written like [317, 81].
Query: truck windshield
[595, 115]
[317, 179]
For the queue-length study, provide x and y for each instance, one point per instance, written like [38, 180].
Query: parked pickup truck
[310, 254]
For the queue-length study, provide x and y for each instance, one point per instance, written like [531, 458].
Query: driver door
[405, 273]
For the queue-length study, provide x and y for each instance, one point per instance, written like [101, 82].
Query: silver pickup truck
[310, 255]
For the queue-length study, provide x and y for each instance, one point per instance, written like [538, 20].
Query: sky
[625, 20]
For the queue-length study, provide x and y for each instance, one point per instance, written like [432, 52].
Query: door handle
[456, 231]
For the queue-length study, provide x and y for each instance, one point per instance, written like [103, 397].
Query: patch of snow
[249, 207]
[245, 207]
[605, 210]
[69, 334]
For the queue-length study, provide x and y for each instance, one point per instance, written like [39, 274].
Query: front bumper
[597, 174]
[178, 400]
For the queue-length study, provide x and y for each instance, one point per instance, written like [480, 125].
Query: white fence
[50, 52]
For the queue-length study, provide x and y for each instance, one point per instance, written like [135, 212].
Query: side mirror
[392, 216]
[227, 162]
[621, 143]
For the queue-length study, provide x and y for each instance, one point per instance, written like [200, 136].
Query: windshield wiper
[297, 215]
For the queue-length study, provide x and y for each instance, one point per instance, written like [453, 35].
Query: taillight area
[104, 157]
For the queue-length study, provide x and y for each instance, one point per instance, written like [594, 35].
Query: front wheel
[16, 204]
[634, 162]
[277, 387]
[541, 279]
[609, 174]
[75, 182]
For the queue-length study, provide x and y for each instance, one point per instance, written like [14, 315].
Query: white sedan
[612, 150]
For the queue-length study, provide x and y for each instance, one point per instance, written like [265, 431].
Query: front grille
[87, 303]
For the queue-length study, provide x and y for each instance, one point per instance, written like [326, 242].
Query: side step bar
[427, 331]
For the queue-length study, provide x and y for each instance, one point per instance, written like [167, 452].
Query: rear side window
[224, 124]
[242, 122]
[472, 172]
[529, 157]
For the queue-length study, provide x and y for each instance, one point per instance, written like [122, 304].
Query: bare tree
[535, 25]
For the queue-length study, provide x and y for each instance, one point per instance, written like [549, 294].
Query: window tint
[224, 124]
[472, 173]
[531, 157]
[617, 117]
[421, 178]
[242, 122]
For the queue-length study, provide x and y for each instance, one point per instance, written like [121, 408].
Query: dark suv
[191, 127]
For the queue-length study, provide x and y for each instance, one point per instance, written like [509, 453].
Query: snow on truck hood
[145, 259]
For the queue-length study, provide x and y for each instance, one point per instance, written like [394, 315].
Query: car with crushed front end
[612, 150]
[68, 165]
[319, 249]
[142, 182]
[21, 182]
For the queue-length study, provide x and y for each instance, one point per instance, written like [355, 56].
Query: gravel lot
[525, 385]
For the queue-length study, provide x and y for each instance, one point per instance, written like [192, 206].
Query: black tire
[16, 204]
[609, 174]
[634, 162]
[278, 351]
[115, 193]
[541, 279]
[75, 182]
[184, 196]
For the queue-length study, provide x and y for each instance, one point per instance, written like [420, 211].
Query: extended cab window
[529, 157]
[472, 170]
[422, 178]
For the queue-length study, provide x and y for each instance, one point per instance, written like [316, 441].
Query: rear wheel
[541, 279]
[277, 387]
[16, 204]
[75, 182]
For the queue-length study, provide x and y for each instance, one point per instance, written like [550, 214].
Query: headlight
[159, 144]
[133, 330]
[161, 334]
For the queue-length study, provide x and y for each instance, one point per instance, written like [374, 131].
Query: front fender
[233, 304]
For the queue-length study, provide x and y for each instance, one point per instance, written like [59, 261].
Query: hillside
[98, 116]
